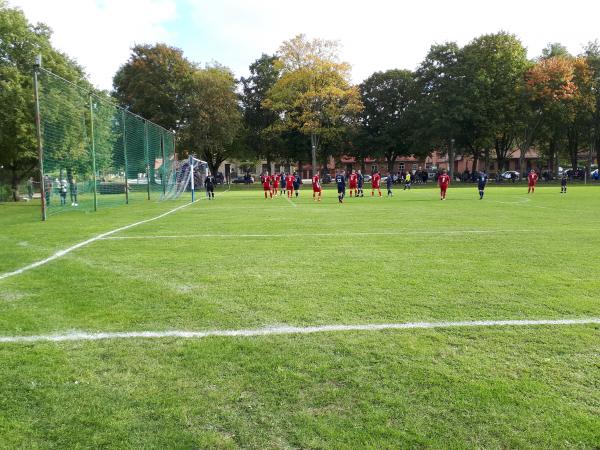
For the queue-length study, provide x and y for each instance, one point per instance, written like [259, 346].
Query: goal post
[185, 176]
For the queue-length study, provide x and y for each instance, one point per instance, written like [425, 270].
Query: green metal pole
[164, 162]
[93, 152]
[38, 126]
[147, 156]
[125, 157]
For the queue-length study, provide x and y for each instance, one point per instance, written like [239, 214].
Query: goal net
[185, 176]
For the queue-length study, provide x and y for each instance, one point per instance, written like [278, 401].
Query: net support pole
[93, 152]
[146, 153]
[164, 162]
[125, 157]
[191, 163]
[38, 126]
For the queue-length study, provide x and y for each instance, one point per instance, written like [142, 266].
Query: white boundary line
[286, 330]
[291, 202]
[62, 253]
[374, 233]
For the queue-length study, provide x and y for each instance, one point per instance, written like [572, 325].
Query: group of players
[278, 184]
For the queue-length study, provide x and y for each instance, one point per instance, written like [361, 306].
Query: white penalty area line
[349, 234]
[287, 330]
[291, 202]
[61, 253]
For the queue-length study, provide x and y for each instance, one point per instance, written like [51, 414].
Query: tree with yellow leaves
[314, 94]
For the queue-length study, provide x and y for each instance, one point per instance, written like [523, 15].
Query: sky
[375, 35]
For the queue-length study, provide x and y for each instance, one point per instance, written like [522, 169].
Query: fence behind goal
[97, 154]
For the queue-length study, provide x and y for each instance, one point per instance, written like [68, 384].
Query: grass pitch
[245, 262]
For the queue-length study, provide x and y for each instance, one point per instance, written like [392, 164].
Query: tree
[563, 88]
[20, 43]
[313, 95]
[387, 118]
[214, 118]
[592, 55]
[440, 101]
[494, 66]
[155, 83]
[259, 120]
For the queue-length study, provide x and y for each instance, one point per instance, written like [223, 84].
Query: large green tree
[440, 110]
[155, 83]
[214, 117]
[20, 43]
[494, 66]
[388, 115]
[592, 55]
[259, 120]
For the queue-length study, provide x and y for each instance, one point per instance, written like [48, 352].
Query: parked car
[243, 180]
[578, 173]
[510, 175]
[367, 178]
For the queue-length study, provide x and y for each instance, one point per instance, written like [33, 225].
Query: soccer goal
[185, 176]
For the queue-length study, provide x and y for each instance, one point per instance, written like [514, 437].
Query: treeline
[483, 101]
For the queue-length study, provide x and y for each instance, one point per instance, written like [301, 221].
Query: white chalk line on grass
[61, 253]
[349, 234]
[287, 330]
[291, 202]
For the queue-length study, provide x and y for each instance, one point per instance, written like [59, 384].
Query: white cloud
[375, 34]
[381, 34]
[100, 33]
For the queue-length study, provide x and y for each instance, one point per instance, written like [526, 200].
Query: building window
[414, 167]
[401, 166]
[373, 168]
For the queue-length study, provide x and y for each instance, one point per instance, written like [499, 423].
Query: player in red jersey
[316, 185]
[289, 184]
[265, 179]
[532, 178]
[375, 183]
[276, 180]
[444, 182]
[353, 179]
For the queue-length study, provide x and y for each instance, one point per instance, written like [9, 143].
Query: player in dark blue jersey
[361, 182]
[389, 183]
[563, 184]
[481, 182]
[340, 180]
[297, 183]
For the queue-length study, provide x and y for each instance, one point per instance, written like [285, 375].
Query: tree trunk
[573, 143]
[391, 159]
[269, 163]
[451, 160]
[475, 161]
[14, 184]
[314, 143]
[588, 168]
[524, 149]
[486, 158]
